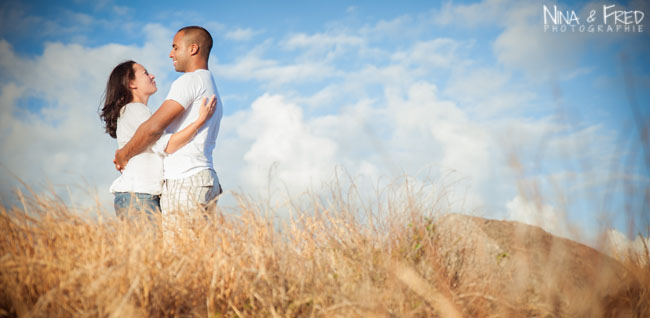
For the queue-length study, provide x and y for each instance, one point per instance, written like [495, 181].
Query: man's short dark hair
[200, 36]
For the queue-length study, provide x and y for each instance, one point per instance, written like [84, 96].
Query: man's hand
[119, 160]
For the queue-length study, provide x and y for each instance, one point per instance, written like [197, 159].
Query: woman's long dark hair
[117, 95]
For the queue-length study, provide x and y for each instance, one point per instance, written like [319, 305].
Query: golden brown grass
[321, 262]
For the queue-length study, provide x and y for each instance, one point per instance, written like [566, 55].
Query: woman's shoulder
[134, 109]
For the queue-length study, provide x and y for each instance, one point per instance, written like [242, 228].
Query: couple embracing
[166, 157]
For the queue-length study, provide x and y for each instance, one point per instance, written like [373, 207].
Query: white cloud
[523, 44]
[417, 134]
[240, 34]
[436, 53]
[412, 133]
[272, 73]
[325, 97]
[325, 46]
[81, 19]
[121, 10]
[489, 91]
[437, 132]
[399, 27]
[282, 138]
[535, 212]
[214, 27]
[471, 15]
[322, 40]
[542, 55]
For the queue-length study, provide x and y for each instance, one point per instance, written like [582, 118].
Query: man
[189, 175]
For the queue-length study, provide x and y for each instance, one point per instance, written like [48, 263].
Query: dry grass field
[325, 260]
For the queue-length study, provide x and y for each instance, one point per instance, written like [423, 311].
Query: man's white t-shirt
[189, 90]
[144, 172]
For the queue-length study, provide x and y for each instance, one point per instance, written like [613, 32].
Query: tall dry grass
[323, 261]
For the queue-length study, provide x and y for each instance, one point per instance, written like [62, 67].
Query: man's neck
[197, 66]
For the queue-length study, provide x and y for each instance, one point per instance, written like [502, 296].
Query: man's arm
[182, 137]
[148, 132]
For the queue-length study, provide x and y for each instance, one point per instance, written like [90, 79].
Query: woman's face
[144, 82]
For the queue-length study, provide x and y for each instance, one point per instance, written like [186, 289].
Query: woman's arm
[149, 129]
[179, 139]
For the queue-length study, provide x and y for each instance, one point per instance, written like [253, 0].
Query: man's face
[180, 52]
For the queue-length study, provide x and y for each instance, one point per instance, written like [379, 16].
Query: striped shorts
[192, 196]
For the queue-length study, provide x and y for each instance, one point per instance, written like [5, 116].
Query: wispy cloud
[323, 41]
[240, 34]
[272, 72]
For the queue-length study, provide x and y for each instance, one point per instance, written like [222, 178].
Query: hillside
[526, 267]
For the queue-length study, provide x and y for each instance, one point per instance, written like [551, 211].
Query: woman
[125, 108]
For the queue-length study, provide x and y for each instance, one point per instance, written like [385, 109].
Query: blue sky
[518, 123]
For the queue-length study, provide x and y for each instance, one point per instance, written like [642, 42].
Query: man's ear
[194, 49]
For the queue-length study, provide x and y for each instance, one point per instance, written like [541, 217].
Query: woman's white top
[144, 172]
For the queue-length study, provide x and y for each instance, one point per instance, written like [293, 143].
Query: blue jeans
[129, 205]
